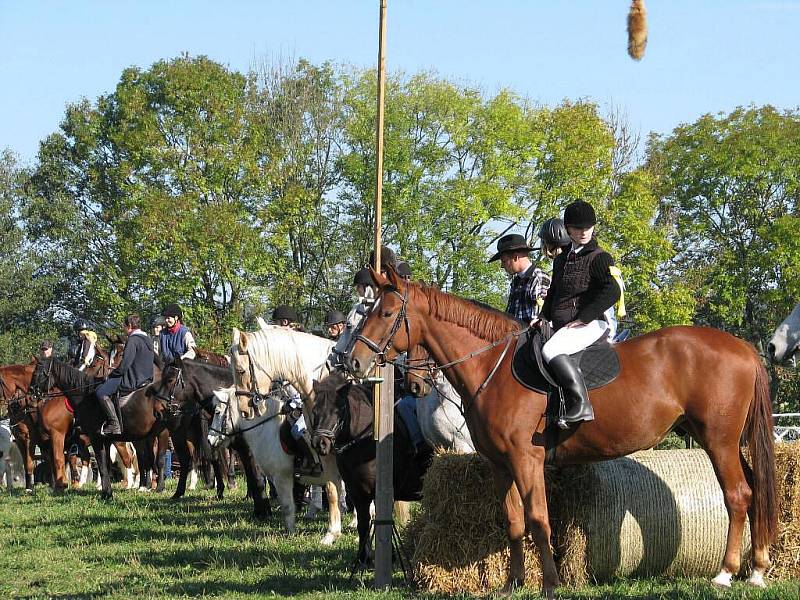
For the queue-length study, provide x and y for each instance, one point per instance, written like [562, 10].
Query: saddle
[288, 443]
[599, 364]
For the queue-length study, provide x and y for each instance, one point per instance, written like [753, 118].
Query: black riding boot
[312, 465]
[570, 378]
[111, 426]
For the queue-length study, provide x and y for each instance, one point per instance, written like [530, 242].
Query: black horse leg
[184, 456]
[102, 450]
[261, 506]
[144, 452]
[160, 467]
[219, 470]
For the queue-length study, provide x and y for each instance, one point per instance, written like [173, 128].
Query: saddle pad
[288, 443]
[599, 363]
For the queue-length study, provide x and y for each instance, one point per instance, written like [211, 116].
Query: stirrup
[104, 430]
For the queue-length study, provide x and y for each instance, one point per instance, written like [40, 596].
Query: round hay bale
[656, 512]
[653, 513]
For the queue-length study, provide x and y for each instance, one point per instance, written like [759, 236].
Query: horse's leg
[528, 473]
[127, 462]
[284, 483]
[334, 516]
[59, 476]
[101, 450]
[144, 452]
[727, 461]
[218, 464]
[515, 526]
[261, 506]
[160, 458]
[181, 446]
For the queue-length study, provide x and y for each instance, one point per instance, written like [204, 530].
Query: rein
[224, 433]
[402, 316]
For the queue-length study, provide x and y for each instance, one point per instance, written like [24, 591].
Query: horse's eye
[387, 313]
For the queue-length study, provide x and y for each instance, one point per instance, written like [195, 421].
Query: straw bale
[656, 512]
[786, 551]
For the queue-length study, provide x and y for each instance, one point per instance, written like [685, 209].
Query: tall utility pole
[384, 407]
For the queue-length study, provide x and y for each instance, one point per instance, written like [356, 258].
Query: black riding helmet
[284, 311]
[362, 277]
[81, 324]
[554, 234]
[333, 317]
[172, 310]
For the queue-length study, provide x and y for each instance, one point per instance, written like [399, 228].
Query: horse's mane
[213, 370]
[73, 378]
[481, 319]
[284, 362]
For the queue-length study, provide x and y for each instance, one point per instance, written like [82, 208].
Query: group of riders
[577, 303]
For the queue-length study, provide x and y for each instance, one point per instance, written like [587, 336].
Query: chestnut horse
[708, 381]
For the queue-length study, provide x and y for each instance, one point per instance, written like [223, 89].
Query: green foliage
[723, 182]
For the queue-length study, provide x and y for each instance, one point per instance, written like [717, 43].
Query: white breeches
[569, 340]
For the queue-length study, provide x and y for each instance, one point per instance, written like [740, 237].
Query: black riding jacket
[582, 286]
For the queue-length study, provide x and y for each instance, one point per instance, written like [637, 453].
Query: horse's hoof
[144, 490]
[176, 497]
[329, 539]
[723, 580]
[756, 579]
[510, 585]
[549, 593]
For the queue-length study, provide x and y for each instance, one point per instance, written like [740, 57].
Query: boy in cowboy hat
[528, 284]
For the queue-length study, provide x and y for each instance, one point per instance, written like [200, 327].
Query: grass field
[145, 546]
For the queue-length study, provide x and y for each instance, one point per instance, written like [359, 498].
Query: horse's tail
[761, 444]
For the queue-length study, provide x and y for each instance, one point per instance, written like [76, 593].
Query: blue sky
[702, 56]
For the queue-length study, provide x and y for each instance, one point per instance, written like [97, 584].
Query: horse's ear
[378, 277]
[262, 324]
[34, 360]
[243, 342]
[237, 335]
[392, 276]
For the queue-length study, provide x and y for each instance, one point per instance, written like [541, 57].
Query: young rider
[582, 290]
[528, 284]
[175, 341]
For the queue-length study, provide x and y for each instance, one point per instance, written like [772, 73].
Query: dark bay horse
[187, 386]
[707, 381]
[341, 422]
[142, 414]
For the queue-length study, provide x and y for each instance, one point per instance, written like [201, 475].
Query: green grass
[146, 546]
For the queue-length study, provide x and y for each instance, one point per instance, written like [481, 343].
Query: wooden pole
[384, 393]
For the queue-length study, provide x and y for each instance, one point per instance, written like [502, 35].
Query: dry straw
[658, 512]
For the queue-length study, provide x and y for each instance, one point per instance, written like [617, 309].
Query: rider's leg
[568, 375]
[104, 394]
[312, 465]
[407, 408]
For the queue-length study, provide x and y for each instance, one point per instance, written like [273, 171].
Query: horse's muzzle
[322, 444]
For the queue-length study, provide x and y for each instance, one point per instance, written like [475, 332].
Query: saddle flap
[288, 442]
[599, 363]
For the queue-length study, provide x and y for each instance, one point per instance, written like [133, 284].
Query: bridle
[175, 407]
[344, 416]
[402, 318]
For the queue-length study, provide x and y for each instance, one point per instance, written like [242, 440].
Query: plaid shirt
[527, 289]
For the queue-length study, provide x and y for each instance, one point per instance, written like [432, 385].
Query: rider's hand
[534, 322]
[575, 323]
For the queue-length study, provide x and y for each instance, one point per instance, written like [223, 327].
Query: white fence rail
[783, 431]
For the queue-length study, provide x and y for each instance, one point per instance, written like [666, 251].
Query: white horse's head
[259, 357]
[226, 417]
[785, 341]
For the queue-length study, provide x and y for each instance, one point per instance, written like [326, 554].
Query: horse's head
[386, 331]
[171, 387]
[329, 413]
[785, 341]
[41, 379]
[225, 421]
[245, 378]
[419, 371]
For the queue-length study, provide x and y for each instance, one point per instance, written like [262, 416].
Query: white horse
[5, 455]
[441, 418]
[785, 341]
[282, 354]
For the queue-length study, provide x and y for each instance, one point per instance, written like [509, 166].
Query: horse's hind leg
[727, 461]
[334, 516]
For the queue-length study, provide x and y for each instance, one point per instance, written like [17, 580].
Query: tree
[25, 292]
[724, 181]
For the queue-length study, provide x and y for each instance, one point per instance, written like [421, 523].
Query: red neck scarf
[174, 328]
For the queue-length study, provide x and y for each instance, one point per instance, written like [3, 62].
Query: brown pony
[708, 381]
